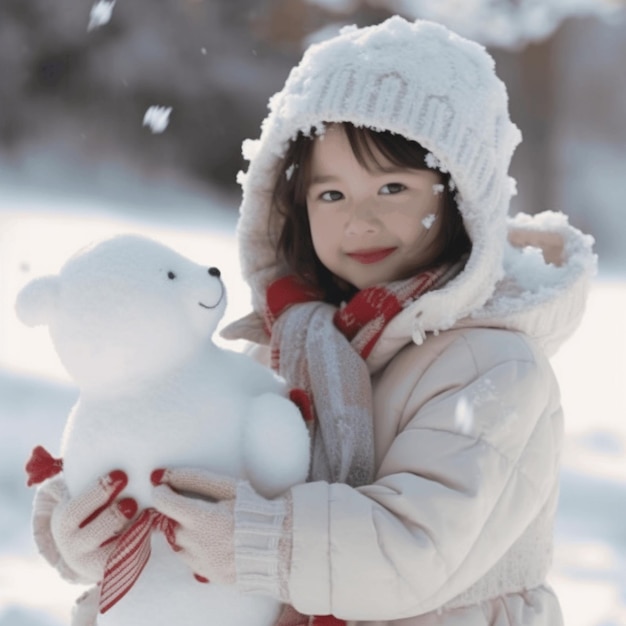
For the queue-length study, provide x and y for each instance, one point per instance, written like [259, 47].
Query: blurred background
[74, 90]
[84, 155]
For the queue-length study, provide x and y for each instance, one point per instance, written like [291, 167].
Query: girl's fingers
[127, 509]
[184, 511]
[171, 504]
[112, 520]
[201, 482]
[87, 506]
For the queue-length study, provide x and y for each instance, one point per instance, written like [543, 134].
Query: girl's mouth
[370, 256]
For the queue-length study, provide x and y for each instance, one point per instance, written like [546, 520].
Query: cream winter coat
[468, 430]
[457, 527]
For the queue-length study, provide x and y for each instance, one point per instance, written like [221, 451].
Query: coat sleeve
[475, 456]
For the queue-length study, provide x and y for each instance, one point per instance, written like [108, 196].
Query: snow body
[132, 322]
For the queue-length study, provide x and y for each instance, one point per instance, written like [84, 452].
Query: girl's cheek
[400, 218]
[325, 227]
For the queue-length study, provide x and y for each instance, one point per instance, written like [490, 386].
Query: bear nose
[213, 271]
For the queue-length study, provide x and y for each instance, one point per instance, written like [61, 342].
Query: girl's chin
[371, 278]
[381, 279]
[370, 282]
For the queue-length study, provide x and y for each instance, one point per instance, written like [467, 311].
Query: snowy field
[38, 232]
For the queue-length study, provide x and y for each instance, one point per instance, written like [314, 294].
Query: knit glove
[76, 535]
[227, 533]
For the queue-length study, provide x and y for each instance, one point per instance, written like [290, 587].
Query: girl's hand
[205, 518]
[76, 535]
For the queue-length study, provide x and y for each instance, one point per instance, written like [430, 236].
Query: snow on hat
[416, 79]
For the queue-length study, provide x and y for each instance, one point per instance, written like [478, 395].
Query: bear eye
[171, 275]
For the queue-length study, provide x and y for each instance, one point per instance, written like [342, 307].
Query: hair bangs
[370, 147]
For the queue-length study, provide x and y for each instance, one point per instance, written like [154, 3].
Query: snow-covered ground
[38, 232]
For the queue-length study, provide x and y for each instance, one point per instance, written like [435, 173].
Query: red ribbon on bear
[41, 466]
[131, 555]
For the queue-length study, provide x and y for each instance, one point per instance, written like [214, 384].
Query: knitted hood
[419, 80]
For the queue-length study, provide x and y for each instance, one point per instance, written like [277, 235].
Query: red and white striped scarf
[363, 319]
[323, 350]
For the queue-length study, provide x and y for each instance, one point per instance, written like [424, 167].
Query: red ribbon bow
[41, 466]
[131, 554]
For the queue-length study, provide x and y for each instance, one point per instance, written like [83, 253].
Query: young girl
[415, 319]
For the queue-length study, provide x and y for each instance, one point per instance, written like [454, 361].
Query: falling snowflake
[289, 171]
[157, 118]
[464, 416]
[100, 14]
[437, 189]
[429, 220]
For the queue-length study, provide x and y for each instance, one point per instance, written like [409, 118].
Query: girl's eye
[331, 196]
[391, 188]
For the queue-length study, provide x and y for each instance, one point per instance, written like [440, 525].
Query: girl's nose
[362, 219]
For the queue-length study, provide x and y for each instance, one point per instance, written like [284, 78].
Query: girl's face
[372, 225]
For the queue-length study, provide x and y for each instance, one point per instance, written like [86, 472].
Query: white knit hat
[416, 79]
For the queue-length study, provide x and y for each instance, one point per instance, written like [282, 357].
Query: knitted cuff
[46, 500]
[262, 543]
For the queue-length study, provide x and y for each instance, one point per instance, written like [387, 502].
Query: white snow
[157, 118]
[100, 14]
[464, 416]
[530, 268]
[289, 171]
[429, 220]
[38, 232]
[434, 163]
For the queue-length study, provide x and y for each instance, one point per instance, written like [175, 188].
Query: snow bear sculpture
[132, 322]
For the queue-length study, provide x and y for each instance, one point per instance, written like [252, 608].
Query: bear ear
[37, 300]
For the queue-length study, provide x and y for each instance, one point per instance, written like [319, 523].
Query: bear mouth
[206, 306]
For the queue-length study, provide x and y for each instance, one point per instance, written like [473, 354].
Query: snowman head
[125, 309]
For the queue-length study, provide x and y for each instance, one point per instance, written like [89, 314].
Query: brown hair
[295, 246]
